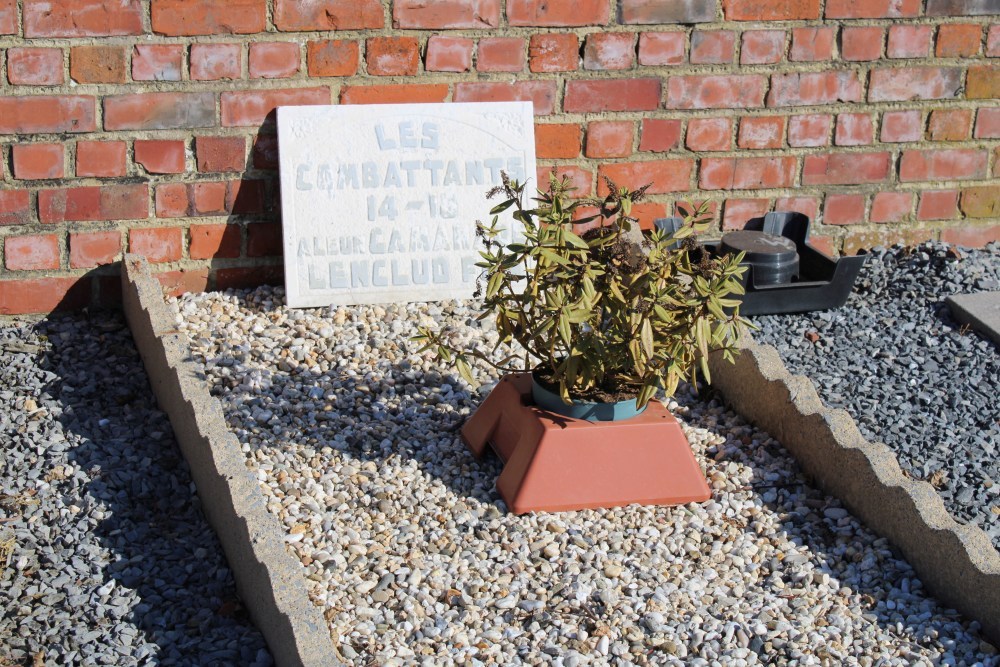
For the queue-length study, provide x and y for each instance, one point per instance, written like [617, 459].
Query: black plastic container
[819, 282]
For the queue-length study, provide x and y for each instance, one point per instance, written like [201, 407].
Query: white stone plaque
[379, 202]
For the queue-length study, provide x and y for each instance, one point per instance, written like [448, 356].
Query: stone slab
[981, 311]
[269, 580]
[957, 563]
[379, 202]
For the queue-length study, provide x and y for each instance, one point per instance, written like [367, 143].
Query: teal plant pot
[592, 412]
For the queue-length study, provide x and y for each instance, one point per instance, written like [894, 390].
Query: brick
[291, 15]
[761, 132]
[159, 156]
[557, 14]
[733, 91]
[812, 44]
[159, 111]
[762, 47]
[157, 244]
[902, 126]
[844, 209]
[557, 140]
[659, 135]
[891, 206]
[580, 180]
[981, 202]
[609, 51]
[15, 207]
[157, 62]
[43, 295]
[662, 175]
[274, 60]
[993, 42]
[175, 283]
[710, 134]
[208, 198]
[809, 130]
[914, 83]
[239, 277]
[214, 62]
[246, 197]
[208, 17]
[264, 239]
[846, 168]
[82, 18]
[90, 249]
[36, 161]
[770, 10]
[971, 237]
[950, 124]
[909, 41]
[958, 40]
[35, 252]
[35, 66]
[988, 123]
[665, 11]
[98, 64]
[854, 129]
[541, 93]
[219, 154]
[101, 158]
[448, 54]
[8, 17]
[265, 152]
[172, 200]
[938, 205]
[500, 54]
[407, 93]
[737, 212]
[553, 52]
[858, 44]
[609, 138]
[214, 241]
[47, 113]
[105, 202]
[962, 7]
[445, 14]
[808, 206]
[712, 47]
[332, 57]
[637, 94]
[662, 48]
[747, 173]
[814, 88]
[392, 56]
[872, 9]
[943, 165]
[253, 107]
[983, 82]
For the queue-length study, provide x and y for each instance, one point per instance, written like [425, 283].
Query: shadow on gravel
[161, 546]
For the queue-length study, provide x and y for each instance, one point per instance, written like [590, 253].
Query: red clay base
[555, 463]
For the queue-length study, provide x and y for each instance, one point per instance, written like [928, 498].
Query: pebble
[770, 570]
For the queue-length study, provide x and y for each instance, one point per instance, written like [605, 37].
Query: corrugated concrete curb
[268, 578]
[957, 563]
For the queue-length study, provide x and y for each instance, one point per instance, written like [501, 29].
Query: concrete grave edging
[956, 562]
[269, 580]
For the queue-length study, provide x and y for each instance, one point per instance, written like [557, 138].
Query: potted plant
[605, 318]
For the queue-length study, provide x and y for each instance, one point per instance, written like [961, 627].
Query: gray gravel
[910, 375]
[105, 556]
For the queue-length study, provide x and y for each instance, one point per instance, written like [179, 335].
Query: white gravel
[414, 559]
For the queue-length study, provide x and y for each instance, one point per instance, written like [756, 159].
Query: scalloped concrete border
[268, 579]
[957, 563]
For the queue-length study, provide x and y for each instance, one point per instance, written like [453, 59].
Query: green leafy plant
[604, 314]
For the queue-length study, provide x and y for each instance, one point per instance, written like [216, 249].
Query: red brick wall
[147, 126]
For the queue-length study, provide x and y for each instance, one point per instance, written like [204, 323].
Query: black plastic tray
[823, 283]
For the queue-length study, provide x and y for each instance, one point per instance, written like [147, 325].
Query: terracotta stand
[555, 463]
